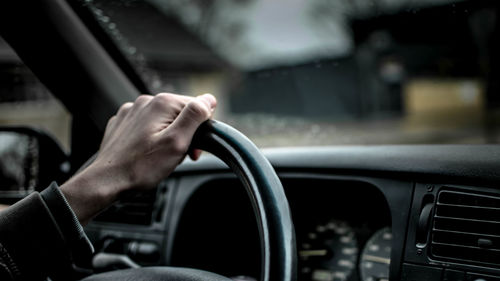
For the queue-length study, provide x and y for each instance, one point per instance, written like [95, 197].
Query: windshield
[322, 72]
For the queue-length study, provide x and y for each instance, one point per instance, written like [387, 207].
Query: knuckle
[126, 105]
[112, 120]
[164, 98]
[169, 101]
[162, 101]
[125, 108]
[198, 109]
[164, 94]
[142, 99]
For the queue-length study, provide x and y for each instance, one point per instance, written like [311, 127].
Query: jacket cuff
[81, 248]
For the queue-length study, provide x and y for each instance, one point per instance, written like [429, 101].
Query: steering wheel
[277, 236]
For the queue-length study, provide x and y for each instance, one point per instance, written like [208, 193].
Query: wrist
[92, 190]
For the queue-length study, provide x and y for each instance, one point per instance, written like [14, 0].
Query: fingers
[195, 154]
[182, 98]
[124, 110]
[120, 115]
[141, 102]
[163, 101]
[169, 104]
[189, 119]
[186, 114]
[210, 100]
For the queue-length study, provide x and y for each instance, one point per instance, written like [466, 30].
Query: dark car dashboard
[360, 213]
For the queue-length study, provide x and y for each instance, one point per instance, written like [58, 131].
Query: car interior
[376, 127]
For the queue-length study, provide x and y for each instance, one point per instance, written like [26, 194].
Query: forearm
[92, 190]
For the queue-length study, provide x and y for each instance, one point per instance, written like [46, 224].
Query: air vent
[133, 208]
[466, 228]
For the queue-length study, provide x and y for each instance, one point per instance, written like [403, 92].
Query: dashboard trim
[473, 162]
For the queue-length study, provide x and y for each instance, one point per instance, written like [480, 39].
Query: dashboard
[360, 213]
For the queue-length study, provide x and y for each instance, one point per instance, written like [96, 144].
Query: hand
[147, 139]
[142, 144]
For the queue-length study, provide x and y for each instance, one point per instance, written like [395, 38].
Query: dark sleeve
[40, 237]
[80, 247]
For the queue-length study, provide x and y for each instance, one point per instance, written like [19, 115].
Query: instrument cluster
[338, 251]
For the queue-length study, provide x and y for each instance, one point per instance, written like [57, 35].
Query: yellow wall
[434, 102]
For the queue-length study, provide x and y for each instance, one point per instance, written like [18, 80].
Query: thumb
[191, 116]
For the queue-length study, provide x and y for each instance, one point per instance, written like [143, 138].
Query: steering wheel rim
[276, 231]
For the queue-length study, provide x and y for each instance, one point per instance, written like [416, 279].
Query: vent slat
[435, 230]
[464, 225]
[497, 223]
[466, 206]
[468, 199]
[466, 240]
[489, 251]
[466, 228]
[468, 212]
[467, 255]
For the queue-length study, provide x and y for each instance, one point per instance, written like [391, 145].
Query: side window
[24, 100]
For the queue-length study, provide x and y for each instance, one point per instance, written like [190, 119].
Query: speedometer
[329, 253]
[376, 256]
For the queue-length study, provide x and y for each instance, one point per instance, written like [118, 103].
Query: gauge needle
[312, 253]
[377, 259]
